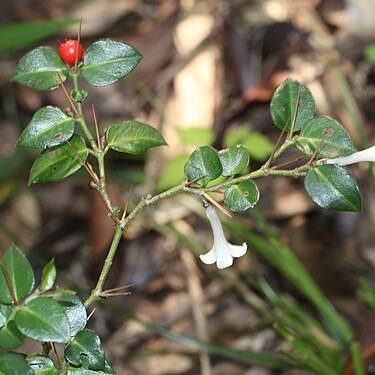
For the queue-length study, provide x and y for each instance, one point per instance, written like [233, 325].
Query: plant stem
[96, 292]
[183, 187]
[81, 118]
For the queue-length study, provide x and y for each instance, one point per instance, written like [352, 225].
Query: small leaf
[15, 364]
[291, 97]
[59, 162]
[334, 188]
[43, 319]
[5, 311]
[327, 134]
[42, 365]
[10, 337]
[74, 310]
[85, 350]
[196, 136]
[242, 196]
[48, 276]
[40, 69]
[106, 61]
[203, 165]
[234, 160]
[20, 274]
[49, 127]
[133, 137]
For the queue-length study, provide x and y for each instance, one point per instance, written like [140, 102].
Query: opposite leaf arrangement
[52, 315]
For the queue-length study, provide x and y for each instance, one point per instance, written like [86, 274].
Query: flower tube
[222, 252]
[367, 154]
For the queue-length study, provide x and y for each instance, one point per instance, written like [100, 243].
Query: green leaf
[327, 134]
[242, 196]
[48, 276]
[74, 310]
[43, 319]
[234, 160]
[42, 365]
[106, 61]
[85, 350]
[59, 162]
[19, 273]
[5, 311]
[40, 69]
[133, 137]
[203, 165]
[15, 364]
[10, 336]
[49, 127]
[333, 187]
[195, 136]
[292, 103]
[17, 35]
[84, 371]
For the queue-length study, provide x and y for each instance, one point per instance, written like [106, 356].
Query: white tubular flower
[365, 155]
[222, 252]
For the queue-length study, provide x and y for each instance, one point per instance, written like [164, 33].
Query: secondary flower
[367, 154]
[222, 252]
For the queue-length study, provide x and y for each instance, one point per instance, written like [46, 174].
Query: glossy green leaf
[85, 350]
[49, 127]
[43, 319]
[173, 172]
[14, 364]
[333, 187]
[74, 310]
[48, 276]
[203, 165]
[327, 134]
[242, 196]
[196, 136]
[42, 365]
[17, 35]
[234, 160]
[84, 371]
[20, 274]
[106, 61]
[5, 311]
[10, 336]
[292, 105]
[59, 162]
[40, 69]
[133, 137]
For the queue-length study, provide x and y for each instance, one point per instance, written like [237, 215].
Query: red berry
[68, 50]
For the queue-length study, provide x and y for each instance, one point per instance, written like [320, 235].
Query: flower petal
[238, 250]
[208, 258]
[224, 262]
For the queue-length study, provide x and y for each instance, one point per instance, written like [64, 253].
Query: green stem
[81, 118]
[96, 292]
[355, 351]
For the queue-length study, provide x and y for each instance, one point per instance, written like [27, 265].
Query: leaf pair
[104, 62]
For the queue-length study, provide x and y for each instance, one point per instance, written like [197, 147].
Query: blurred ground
[211, 64]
